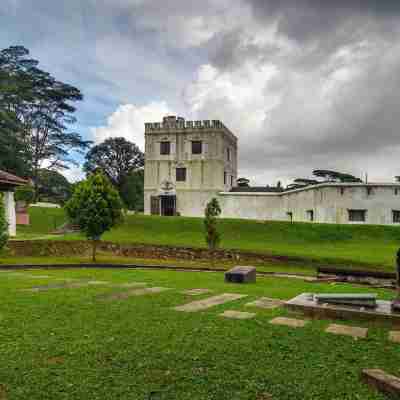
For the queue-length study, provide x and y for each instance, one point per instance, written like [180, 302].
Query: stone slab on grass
[237, 314]
[95, 283]
[196, 292]
[292, 322]
[133, 293]
[131, 284]
[394, 336]
[380, 380]
[354, 331]
[209, 302]
[265, 302]
[241, 274]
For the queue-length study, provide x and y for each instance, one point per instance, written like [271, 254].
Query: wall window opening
[197, 147]
[357, 215]
[396, 216]
[165, 148]
[310, 215]
[181, 174]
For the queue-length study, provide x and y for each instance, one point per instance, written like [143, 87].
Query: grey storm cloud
[332, 101]
[338, 86]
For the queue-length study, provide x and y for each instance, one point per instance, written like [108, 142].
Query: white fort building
[190, 162]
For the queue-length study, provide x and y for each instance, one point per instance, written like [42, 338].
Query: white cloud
[128, 121]
[74, 174]
[238, 98]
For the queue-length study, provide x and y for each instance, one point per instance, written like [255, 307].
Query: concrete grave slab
[237, 314]
[292, 322]
[209, 302]
[196, 292]
[94, 283]
[265, 302]
[241, 274]
[394, 336]
[306, 304]
[354, 331]
[133, 293]
[386, 383]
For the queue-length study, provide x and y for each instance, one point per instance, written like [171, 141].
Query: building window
[310, 215]
[181, 174]
[165, 148]
[357, 215]
[231, 180]
[197, 147]
[396, 191]
[228, 154]
[224, 178]
[396, 216]
[342, 191]
[369, 191]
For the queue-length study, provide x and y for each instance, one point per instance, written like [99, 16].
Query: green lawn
[352, 245]
[42, 222]
[66, 344]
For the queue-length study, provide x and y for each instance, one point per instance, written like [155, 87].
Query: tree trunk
[94, 249]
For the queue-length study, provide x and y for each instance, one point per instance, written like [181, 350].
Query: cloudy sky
[304, 84]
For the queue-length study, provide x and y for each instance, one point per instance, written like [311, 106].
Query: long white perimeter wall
[330, 203]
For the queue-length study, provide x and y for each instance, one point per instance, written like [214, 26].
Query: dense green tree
[211, 213]
[25, 193]
[95, 207]
[335, 176]
[37, 111]
[52, 186]
[117, 158]
[243, 182]
[3, 224]
[132, 190]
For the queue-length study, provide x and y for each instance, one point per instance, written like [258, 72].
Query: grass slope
[42, 222]
[369, 245]
[65, 344]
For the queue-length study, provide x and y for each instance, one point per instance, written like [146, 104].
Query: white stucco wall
[262, 206]
[8, 198]
[330, 203]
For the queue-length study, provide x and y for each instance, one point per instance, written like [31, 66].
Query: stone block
[241, 275]
[380, 380]
[237, 314]
[204, 304]
[292, 322]
[360, 300]
[265, 302]
[394, 336]
[354, 331]
[196, 292]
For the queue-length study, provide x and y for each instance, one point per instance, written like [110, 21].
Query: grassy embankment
[68, 344]
[350, 245]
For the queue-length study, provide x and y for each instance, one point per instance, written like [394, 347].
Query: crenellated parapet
[178, 123]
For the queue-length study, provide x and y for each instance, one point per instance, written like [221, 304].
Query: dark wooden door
[168, 205]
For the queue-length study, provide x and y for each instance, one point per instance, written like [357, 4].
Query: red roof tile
[11, 179]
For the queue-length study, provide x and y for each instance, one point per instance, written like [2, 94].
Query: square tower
[186, 164]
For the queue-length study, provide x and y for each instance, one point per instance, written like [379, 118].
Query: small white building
[190, 162]
[8, 183]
